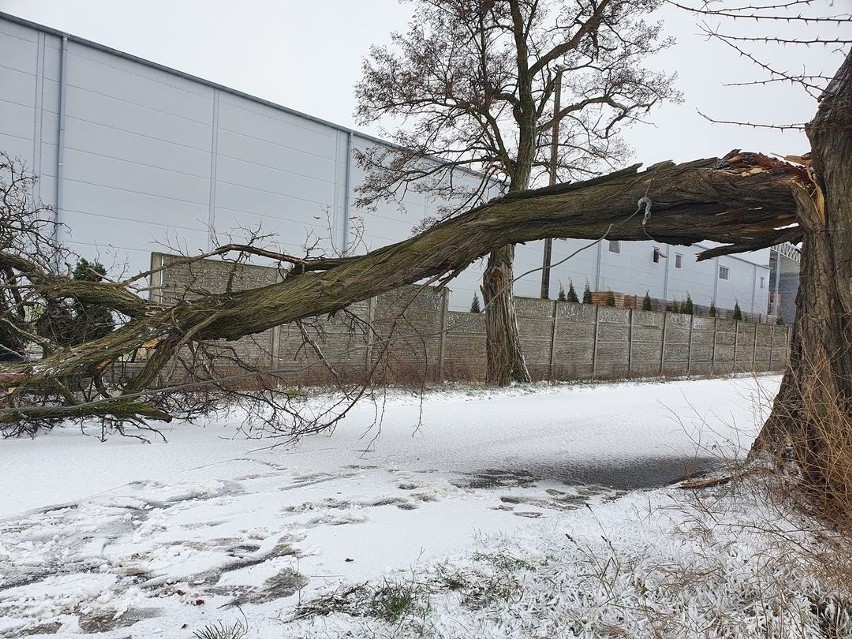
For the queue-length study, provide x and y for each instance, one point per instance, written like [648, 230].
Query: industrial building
[135, 157]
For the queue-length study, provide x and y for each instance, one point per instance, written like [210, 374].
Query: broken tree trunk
[744, 201]
[811, 419]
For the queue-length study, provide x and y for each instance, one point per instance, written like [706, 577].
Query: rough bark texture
[505, 361]
[812, 414]
[741, 200]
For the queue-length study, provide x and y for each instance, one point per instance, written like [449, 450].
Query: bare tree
[51, 310]
[474, 82]
[26, 228]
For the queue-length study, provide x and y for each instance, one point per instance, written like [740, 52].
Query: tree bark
[504, 360]
[811, 419]
[743, 200]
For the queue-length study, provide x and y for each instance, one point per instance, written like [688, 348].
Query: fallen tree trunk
[744, 201]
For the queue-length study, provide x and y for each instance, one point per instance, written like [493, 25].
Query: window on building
[724, 272]
[762, 282]
[615, 246]
[678, 260]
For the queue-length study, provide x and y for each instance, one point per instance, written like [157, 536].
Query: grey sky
[307, 56]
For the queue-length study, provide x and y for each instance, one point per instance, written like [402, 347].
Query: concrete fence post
[663, 345]
[736, 344]
[689, 345]
[754, 348]
[274, 345]
[595, 342]
[771, 348]
[368, 351]
[629, 341]
[442, 343]
[275, 355]
[713, 354]
[553, 318]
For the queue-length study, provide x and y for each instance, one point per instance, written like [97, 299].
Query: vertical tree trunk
[811, 419]
[504, 359]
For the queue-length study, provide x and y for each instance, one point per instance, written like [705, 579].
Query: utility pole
[554, 160]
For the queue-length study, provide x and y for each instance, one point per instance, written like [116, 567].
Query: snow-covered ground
[461, 514]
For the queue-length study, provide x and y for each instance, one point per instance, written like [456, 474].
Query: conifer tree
[572, 294]
[738, 314]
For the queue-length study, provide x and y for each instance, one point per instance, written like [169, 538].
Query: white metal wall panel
[342, 198]
[529, 257]
[19, 86]
[389, 222]
[46, 140]
[140, 85]
[108, 142]
[617, 268]
[16, 134]
[18, 68]
[117, 204]
[117, 113]
[579, 269]
[29, 102]
[277, 172]
[742, 286]
[252, 169]
[466, 285]
[18, 46]
[697, 279]
[137, 153]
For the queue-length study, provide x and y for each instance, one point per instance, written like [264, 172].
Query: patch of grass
[389, 601]
[492, 578]
[393, 600]
[220, 630]
[350, 600]
[478, 590]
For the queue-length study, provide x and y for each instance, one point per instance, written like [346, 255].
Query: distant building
[134, 156]
[784, 273]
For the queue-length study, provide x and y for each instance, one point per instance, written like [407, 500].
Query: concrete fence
[409, 335]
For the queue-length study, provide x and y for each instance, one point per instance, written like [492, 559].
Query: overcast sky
[307, 56]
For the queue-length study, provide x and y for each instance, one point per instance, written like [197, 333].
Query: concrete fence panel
[612, 347]
[726, 345]
[676, 344]
[535, 326]
[409, 335]
[574, 341]
[701, 345]
[744, 359]
[646, 345]
[464, 353]
[762, 346]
